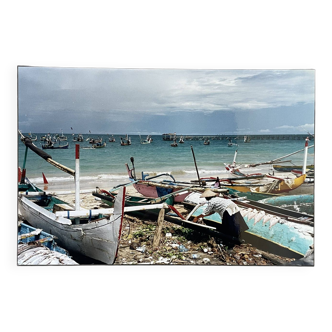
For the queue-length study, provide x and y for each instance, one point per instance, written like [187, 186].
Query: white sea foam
[91, 178]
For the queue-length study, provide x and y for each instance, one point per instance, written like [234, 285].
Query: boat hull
[284, 168]
[98, 239]
[286, 235]
[158, 191]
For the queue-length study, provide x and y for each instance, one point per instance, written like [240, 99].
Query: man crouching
[233, 223]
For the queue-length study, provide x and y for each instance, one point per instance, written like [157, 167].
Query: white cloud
[299, 129]
[285, 127]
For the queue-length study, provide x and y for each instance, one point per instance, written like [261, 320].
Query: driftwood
[157, 235]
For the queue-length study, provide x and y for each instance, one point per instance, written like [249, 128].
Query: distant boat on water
[52, 145]
[174, 144]
[78, 138]
[125, 141]
[207, 141]
[148, 140]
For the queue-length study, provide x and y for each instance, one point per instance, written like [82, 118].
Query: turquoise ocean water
[106, 166]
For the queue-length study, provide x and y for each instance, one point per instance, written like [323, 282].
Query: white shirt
[220, 205]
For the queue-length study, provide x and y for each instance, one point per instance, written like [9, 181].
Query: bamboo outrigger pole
[28, 143]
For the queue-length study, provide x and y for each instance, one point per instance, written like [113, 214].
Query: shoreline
[109, 181]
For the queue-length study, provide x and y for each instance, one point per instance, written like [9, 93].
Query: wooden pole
[77, 177]
[305, 156]
[199, 180]
[157, 234]
[24, 162]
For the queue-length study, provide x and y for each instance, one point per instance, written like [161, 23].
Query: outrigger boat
[148, 140]
[33, 138]
[78, 138]
[111, 139]
[174, 144]
[109, 197]
[93, 233]
[99, 145]
[284, 232]
[95, 140]
[230, 143]
[51, 145]
[125, 141]
[149, 187]
[36, 247]
[290, 168]
[268, 183]
[207, 141]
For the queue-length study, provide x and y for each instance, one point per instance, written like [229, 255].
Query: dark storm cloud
[51, 99]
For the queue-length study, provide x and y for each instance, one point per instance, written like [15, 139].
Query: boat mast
[305, 155]
[77, 177]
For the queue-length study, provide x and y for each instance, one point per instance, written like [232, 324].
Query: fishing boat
[108, 197]
[95, 140]
[99, 145]
[148, 140]
[301, 203]
[163, 184]
[246, 139]
[283, 232]
[61, 137]
[111, 139]
[181, 141]
[52, 145]
[33, 137]
[269, 183]
[78, 138]
[290, 168]
[36, 247]
[90, 233]
[125, 141]
[37, 254]
[174, 144]
[230, 143]
[206, 141]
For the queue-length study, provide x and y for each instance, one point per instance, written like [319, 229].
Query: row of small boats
[96, 233]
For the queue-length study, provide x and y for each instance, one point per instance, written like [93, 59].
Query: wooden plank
[157, 235]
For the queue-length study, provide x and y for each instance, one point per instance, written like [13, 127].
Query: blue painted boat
[300, 203]
[36, 247]
[288, 199]
[274, 229]
[27, 234]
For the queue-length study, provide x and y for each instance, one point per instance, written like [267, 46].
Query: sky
[157, 101]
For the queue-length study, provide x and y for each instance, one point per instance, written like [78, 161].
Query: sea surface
[106, 166]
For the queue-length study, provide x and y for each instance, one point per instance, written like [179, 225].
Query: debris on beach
[182, 246]
[178, 245]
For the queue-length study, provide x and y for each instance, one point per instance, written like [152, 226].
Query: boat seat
[143, 200]
[62, 207]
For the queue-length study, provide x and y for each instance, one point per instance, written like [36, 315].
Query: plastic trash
[168, 234]
[194, 256]
[182, 248]
[141, 249]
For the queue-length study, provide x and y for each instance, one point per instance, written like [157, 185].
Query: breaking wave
[84, 178]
